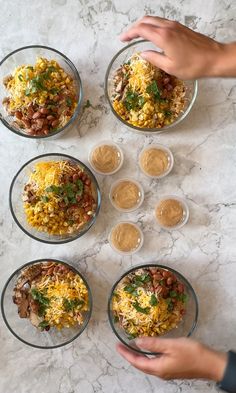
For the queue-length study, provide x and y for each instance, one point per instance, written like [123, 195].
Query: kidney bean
[36, 115]
[75, 177]
[84, 177]
[44, 111]
[180, 288]
[165, 274]
[169, 87]
[88, 208]
[87, 217]
[39, 123]
[169, 281]
[26, 122]
[30, 112]
[55, 123]
[30, 131]
[45, 131]
[153, 270]
[18, 115]
[88, 182]
[158, 276]
[166, 80]
[50, 117]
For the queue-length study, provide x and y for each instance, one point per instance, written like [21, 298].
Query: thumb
[156, 58]
[154, 344]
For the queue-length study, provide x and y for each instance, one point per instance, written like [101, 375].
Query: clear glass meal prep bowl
[17, 205]
[185, 327]
[22, 328]
[28, 55]
[120, 58]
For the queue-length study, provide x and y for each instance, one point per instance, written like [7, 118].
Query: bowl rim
[185, 206]
[109, 143]
[91, 175]
[80, 99]
[141, 266]
[32, 263]
[127, 253]
[145, 130]
[163, 148]
[134, 181]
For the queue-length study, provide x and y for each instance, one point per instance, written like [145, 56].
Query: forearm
[224, 64]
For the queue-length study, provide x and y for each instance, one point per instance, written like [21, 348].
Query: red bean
[169, 281]
[44, 111]
[165, 274]
[88, 182]
[75, 177]
[18, 115]
[36, 115]
[166, 80]
[180, 288]
[45, 131]
[169, 87]
[55, 123]
[26, 122]
[30, 131]
[50, 117]
[39, 123]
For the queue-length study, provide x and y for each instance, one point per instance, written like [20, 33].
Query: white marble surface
[204, 172]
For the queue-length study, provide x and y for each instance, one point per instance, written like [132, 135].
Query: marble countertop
[204, 172]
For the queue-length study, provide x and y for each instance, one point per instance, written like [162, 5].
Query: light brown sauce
[154, 161]
[125, 237]
[106, 158]
[169, 212]
[126, 194]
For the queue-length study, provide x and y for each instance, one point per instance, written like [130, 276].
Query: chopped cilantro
[153, 300]
[173, 294]
[116, 319]
[20, 77]
[43, 324]
[133, 100]
[80, 186]
[45, 198]
[154, 90]
[183, 297]
[69, 101]
[167, 113]
[70, 305]
[131, 289]
[137, 307]
[54, 90]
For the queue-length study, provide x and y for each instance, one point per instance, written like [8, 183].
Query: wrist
[214, 365]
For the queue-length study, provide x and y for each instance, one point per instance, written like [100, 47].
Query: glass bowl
[17, 206]
[22, 328]
[185, 217]
[168, 152]
[141, 195]
[121, 57]
[28, 55]
[184, 329]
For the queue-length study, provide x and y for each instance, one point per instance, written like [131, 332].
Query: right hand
[180, 358]
[186, 53]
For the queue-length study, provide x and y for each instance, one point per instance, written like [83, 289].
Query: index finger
[143, 30]
[140, 362]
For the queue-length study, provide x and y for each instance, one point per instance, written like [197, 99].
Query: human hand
[180, 358]
[186, 53]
